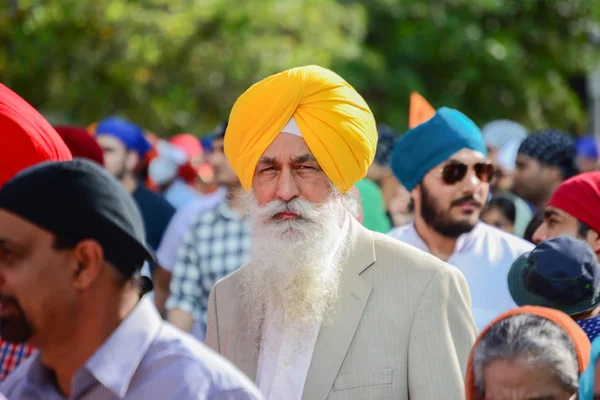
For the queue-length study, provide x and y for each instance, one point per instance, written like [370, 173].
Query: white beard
[295, 263]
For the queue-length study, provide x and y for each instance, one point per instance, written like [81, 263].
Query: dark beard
[15, 330]
[438, 221]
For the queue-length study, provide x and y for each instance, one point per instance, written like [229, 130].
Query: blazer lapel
[335, 337]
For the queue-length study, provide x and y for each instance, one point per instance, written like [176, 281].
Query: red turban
[188, 143]
[80, 143]
[193, 148]
[26, 138]
[580, 197]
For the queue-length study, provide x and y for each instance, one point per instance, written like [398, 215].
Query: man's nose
[287, 187]
[540, 234]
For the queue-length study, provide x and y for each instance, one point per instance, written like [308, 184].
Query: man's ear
[554, 173]
[415, 194]
[593, 239]
[89, 258]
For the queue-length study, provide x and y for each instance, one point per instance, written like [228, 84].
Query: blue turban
[433, 142]
[131, 135]
[586, 147]
[552, 147]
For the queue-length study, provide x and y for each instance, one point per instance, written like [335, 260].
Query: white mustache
[303, 208]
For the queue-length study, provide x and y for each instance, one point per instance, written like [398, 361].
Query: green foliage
[178, 65]
[489, 58]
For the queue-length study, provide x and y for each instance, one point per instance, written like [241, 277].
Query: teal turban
[433, 142]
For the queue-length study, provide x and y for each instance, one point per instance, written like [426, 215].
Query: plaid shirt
[11, 355]
[216, 244]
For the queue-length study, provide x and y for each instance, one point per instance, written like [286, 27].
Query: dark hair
[506, 207]
[219, 132]
[535, 223]
[582, 229]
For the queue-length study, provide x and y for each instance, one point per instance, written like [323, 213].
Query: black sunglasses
[455, 172]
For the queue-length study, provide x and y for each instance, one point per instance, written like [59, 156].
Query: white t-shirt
[484, 256]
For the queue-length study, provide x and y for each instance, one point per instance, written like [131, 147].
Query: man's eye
[306, 167]
[6, 254]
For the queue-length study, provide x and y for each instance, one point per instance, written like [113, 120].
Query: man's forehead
[552, 211]
[522, 158]
[110, 141]
[16, 230]
[465, 156]
[286, 146]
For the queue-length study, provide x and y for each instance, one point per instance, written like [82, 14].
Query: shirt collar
[114, 364]
[464, 243]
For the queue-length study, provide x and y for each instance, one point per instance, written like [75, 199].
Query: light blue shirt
[181, 195]
[145, 358]
[172, 240]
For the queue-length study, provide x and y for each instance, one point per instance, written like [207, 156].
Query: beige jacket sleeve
[212, 330]
[441, 338]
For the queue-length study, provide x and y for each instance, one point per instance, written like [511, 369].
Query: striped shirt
[144, 358]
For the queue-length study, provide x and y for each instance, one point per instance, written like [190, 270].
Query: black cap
[79, 200]
[561, 273]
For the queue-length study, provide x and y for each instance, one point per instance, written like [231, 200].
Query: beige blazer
[403, 327]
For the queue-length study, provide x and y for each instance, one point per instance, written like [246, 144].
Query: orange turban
[334, 121]
[26, 138]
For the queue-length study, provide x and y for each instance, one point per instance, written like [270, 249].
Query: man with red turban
[573, 210]
[26, 139]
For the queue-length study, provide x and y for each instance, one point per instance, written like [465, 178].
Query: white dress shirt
[484, 256]
[285, 355]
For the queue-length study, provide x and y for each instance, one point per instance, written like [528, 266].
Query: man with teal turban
[443, 164]
[326, 308]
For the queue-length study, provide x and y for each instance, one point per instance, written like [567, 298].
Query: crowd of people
[300, 250]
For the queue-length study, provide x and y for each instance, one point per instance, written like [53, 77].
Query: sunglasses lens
[485, 172]
[453, 173]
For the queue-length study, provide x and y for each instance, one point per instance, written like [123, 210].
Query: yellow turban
[334, 120]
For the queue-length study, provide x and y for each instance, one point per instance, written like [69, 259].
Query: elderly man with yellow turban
[327, 309]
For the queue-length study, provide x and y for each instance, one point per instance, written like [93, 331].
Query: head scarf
[131, 135]
[26, 138]
[385, 144]
[81, 144]
[580, 197]
[580, 341]
[498, 133]
[586, 381]
[165, 166]
[554, 148]
[431, 143]
[586, 147]
[188, 143]
[334, 120]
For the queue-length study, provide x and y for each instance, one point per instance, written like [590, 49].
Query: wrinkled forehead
[286, 148]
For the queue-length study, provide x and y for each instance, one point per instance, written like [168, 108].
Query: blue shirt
[591, 326]
[156, 213]
[145, 358]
